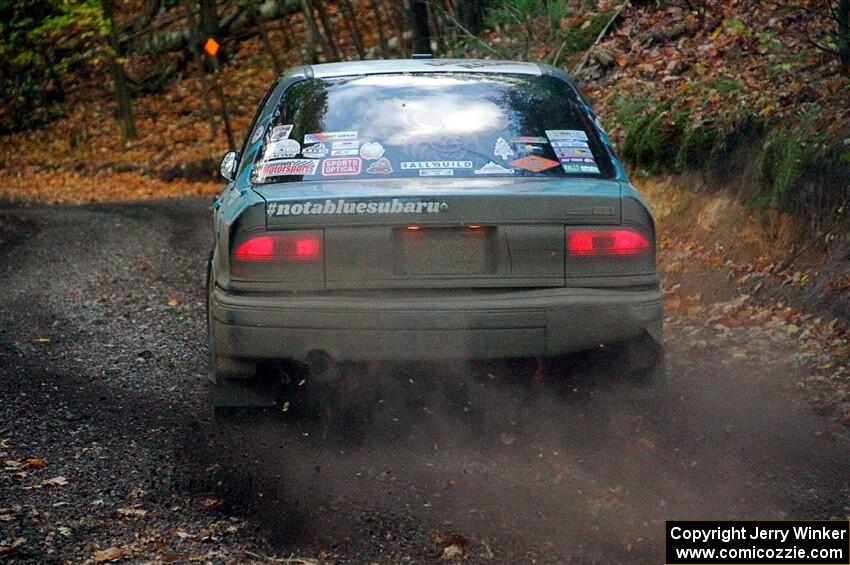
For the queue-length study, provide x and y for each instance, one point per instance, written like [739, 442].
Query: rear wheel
[646, 367]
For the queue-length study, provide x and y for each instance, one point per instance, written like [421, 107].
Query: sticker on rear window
[529, 139]
[329, 136]
[588, 160]
[257, 134]
[341, 167]
[573, 152]
[534, 164]
[502, 149]
[343, 152]
[492, 168]
[283, 149]
[380, 167]
[554, 134]
[372, 150]
[436, 172]
[345, 145]
[281, 132]
[315, 151]
[289, 167]
[577, 168]
[570, 143]
[410, 165]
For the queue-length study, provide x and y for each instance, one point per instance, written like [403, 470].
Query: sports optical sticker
[289, 167]
[341, 167]
[329, 136]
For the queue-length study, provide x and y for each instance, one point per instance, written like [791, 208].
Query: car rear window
[430, 125]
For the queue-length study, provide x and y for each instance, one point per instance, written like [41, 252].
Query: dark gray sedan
[427, 209]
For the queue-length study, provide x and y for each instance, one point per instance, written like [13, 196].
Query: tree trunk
[351, 22]
[419, 25]
[311, 31]
[398, 8]
[471, 14]
[225, 113]
[122, 89]
[843, 17]
[327, 26]
[382, 39]
[437, 30]
[209, 19]
[266, 43]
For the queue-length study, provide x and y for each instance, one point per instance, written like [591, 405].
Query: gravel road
[110, 452]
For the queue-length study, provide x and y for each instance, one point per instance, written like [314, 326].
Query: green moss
[696, 147]
[653, 140]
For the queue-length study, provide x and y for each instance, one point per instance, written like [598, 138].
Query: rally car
[427, 209]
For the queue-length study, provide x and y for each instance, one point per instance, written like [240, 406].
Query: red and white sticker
[289, 167]
[341, 167]
[534, 164]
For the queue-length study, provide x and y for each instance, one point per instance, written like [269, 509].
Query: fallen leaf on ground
[131, 512]
[111, 554]
[55, 482]
[35, 463]
[174, 302]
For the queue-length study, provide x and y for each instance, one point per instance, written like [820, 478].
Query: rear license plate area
[444, 251]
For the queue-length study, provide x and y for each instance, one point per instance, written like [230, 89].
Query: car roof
[386, 66]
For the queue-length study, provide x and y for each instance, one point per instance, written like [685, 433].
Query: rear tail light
[606, 242]
[280, 247]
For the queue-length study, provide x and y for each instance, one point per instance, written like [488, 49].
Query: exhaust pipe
[321, 366]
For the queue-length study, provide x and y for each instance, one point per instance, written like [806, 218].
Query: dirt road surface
[109, 450]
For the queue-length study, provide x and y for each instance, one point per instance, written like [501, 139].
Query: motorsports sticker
[343, 207]
[803, 542]
[289, 167]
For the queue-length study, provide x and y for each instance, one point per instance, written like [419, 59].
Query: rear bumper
[432, 325]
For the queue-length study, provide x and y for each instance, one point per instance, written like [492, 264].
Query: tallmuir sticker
[315, 151]
[372, 150]
[492, 168]
[281, 132]
[380, 167]
[342, 207]
[578, 168]
[502, 149]
[343, 152]
[534, 164]
[289, 167]
[341, 167]
[436, 172]
[283, 149]
[329, 136]
[411, 165]
[554, 134]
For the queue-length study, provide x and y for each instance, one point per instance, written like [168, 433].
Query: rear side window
[461, 125]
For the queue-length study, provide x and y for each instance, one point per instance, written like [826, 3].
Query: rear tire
[646, 367]
[233, 382]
